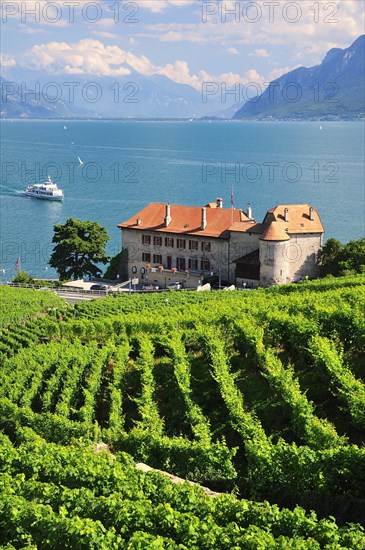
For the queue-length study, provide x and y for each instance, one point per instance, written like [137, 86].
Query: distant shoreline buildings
[167, 242]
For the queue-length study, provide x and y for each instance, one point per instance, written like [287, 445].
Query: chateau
[167, 242]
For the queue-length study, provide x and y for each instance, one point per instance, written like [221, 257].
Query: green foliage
[23, 278]
[80, 245]
[213, 280]
[50, 493]
[339, 259]
[115, 266]
[21, 304]
[261, 393]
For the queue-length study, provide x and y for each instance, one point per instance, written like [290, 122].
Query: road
[74, 297]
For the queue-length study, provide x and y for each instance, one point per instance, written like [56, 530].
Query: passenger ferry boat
[48, 191]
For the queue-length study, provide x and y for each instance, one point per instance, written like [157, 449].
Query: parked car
[99, 287]
[176, 285]
[150, 287]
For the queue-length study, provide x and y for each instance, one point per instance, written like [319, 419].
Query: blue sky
[190, 41]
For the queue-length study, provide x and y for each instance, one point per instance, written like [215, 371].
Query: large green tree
[80, 245]
[342, 259]
[329, 257]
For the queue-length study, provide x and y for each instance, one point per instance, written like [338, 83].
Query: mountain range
[332, 90]
[135, 95]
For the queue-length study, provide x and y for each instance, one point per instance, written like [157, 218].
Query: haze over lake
[128, 164]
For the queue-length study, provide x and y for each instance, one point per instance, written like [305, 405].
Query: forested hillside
[258, 395]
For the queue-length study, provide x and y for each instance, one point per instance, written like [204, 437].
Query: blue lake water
[128, 164]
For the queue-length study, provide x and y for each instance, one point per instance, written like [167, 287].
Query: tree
[118, 266]
[79, 246]
[353, 257]
[339, 259]
[23, 278]
[329, 257]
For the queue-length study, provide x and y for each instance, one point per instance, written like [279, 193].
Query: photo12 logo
[269, 172]
[249, 12]
[69, 11]
[74, 172]
[71, 92]
[253, 92]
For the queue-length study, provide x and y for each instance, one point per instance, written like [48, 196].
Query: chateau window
[193, 245]
[168, 262]
[205, 247]
[181, 243]
[157, 259]
[157, 241]
[205, 265]
[146, 257]
[193, 264]
[169, 241]
[146, 239]
[181, 264]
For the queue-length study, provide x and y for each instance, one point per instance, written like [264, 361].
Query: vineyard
[258, 395]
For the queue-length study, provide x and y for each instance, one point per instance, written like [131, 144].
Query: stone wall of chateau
[302, 256]
[281, 262]
[217, 253]
[289, 261]
[274, 269]
[240, 245]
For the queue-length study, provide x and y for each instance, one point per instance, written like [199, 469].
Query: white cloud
[32, 30]
[6, 60]
[107, 22]
[180, 72]
[85, 57]
[233, 51]
[158, 6]
[261, 52]
[276, 73]
[92, 57]
[308, 38]
[106, 34]
[182, 36]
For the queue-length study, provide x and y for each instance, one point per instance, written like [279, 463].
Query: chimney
[219, 203]
[138, 221]
[311, 214]
[249, 211]
[167, 219]
[204, 218]
[286, 214]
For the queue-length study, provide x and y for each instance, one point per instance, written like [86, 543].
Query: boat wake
[8, 191]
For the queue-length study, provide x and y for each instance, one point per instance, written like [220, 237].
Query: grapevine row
[349, 389]
[199, 423]
[316, 432]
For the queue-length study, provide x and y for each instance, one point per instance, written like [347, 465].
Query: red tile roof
[298, 218]
[275, 231]
[299, 221]
[185, 220]
[247, 227]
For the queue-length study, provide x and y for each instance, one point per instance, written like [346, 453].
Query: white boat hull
[43, 197]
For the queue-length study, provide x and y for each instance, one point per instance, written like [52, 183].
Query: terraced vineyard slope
[261, 393]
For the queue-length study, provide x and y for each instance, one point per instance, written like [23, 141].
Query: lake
[127, 164]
